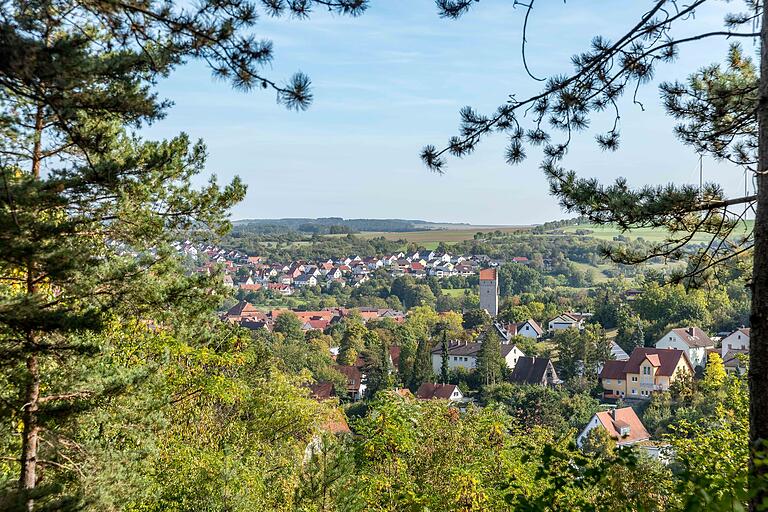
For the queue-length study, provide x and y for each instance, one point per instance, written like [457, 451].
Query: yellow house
[648, 370]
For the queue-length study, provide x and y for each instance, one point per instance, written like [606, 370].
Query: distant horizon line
[462, 224]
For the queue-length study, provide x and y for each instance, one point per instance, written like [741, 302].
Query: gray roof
[533, 370]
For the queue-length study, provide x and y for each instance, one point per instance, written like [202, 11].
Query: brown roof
[243, 308]
[322, 390]
[614, 420]
[353, 375]
[613, 370]
[429, 390]
[668, 359]
[694, 337]
[394, 353]
[488, 274]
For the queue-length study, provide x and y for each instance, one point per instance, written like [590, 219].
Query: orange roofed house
[622, 425]
[647, 370]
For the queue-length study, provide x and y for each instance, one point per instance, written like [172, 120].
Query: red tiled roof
[654, 359]
[614, 420]
[488, 274]
[337, 423]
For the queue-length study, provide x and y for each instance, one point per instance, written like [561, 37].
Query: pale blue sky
[393, 80]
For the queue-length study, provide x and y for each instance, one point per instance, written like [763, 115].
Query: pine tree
[489, 360]
[422, 364]
[444, 369]
[88, 210]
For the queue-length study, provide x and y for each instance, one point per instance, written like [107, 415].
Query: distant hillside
[340, 225]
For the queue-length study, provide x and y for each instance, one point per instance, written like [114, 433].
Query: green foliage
[581, 353]
[475, 318]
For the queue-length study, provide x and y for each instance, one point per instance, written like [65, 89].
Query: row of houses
[254, 273]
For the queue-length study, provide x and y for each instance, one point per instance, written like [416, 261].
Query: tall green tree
[82, 196]
[444, 368]
[422, 364]
[490, 363]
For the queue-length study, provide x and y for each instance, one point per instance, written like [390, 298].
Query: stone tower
[489, 291]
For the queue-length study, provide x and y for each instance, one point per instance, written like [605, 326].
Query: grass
[649, 234]
[455, 292]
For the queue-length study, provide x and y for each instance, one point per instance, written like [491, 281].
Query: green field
[431, 238]
[650, 234]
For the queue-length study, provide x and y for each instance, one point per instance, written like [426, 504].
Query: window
[607, 381]
[634, 378]
[646, 370]
[619, 381]
[634, 391]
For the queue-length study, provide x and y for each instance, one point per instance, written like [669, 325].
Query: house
[737, 340]
[617, 352]
[430, 391]
[534, 371]
[692, 340]
[317, 324]
[568, 321]
[322, 391]
[735, 362]
[529, 329]
[242, 310]
[647, 371]
[463, 354]
[305, 280]
[355, 385]
[282, 289]
[333, 273]
[622, 425]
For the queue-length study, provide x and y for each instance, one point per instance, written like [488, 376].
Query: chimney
[613, 413]
[690, 331]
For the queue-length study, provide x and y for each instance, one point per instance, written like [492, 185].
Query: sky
[393, 80]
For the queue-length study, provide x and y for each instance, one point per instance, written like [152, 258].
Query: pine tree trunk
[29, 416]
[758, 357]
[29, 439]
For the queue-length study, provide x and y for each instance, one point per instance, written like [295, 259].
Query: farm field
[431, 238]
